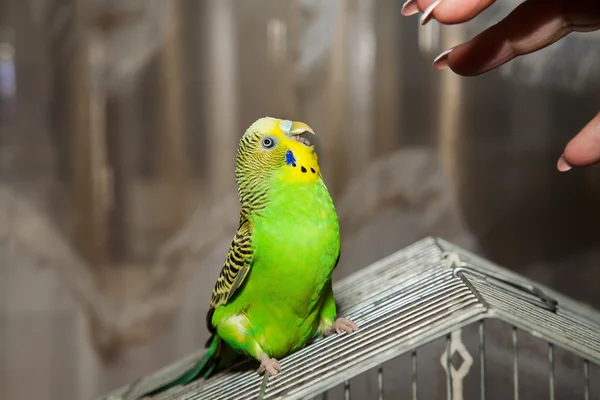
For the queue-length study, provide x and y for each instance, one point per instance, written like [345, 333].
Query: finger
[584, 149]
[532, 26]
[446, 11]
[452, 11]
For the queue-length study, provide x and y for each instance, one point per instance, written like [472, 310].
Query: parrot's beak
[294, 129]
[298, 128]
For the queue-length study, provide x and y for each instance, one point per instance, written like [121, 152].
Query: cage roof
[416, 295]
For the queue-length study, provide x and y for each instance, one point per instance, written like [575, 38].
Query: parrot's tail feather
[202, 368]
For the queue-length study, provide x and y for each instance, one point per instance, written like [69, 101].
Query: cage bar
[515, 364]
[586, 374]
[449, 367]
[380, 381]
[551, 369]
[482, 360]
[414, 376]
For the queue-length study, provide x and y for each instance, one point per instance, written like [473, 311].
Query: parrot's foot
[341, 325]
[270, 365]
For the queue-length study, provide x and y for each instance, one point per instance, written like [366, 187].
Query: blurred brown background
[119, 121]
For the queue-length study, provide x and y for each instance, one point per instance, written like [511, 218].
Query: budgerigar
[274, 293]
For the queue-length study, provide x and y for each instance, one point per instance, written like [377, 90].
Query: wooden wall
[119, 205]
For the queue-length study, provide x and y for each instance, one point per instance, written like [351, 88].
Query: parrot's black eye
[268, 143]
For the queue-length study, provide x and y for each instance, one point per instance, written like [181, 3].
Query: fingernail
[562, 164]
[441, 61]
[427, 14]
[409, 8]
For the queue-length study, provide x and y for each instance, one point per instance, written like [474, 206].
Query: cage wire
[435, 321]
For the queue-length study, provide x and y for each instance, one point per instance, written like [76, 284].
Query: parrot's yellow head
[276, 147]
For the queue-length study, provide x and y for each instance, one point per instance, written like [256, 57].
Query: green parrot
[274, 293]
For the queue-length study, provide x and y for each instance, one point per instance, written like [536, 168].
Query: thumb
[584, 149]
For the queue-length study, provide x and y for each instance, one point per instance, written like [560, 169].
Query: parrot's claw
[270, 365]
[341, 325]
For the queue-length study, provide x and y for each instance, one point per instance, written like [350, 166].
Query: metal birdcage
[434, 321]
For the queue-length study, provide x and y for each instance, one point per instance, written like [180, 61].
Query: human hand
[530, 27]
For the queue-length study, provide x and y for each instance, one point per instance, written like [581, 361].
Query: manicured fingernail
[427, 14]
[409, 8]
[562, 164]
[441, 61]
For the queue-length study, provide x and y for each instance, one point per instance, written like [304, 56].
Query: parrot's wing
[236, 267]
